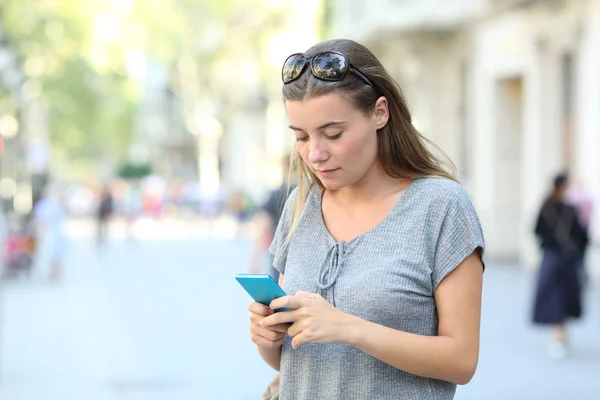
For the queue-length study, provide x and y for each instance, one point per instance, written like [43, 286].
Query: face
[337, 141]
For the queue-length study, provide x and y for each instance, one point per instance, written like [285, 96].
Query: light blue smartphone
[262, 288]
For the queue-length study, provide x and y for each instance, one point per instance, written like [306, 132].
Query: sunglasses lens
[292, 68]
[329, 66]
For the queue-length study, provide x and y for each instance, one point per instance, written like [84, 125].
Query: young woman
[379, 248]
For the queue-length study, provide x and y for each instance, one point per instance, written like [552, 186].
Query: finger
[266, 333]
[292, 302]
[279, 318]
[298, 340]
[283, 328]
[269, 334]
[255, 319]
[260, 309]
[295, 329]
[262, 342]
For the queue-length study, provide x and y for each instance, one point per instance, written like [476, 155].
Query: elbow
[465, 370]
[464, 378]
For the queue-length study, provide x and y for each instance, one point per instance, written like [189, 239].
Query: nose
[317, 152]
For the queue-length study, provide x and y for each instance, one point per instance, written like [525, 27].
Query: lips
[325, 172]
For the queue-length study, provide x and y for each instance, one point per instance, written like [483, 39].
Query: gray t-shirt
[387, 275]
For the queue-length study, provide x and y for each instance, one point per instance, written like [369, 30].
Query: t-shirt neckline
[332, 241]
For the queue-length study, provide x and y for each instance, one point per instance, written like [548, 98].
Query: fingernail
[262, 323]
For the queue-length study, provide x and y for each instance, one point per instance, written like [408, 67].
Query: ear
[381, 115]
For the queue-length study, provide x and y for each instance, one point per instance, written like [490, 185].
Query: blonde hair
[402, 151]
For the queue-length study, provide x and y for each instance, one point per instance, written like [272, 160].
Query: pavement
[162, 318]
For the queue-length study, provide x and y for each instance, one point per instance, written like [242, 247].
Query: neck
[373, 187]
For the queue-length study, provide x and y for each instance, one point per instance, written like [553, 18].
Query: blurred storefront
[507, 88]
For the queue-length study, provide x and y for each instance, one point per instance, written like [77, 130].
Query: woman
[379, 249]
[563, 240]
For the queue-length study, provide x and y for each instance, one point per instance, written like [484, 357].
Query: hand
[314, 319]
[269, 337]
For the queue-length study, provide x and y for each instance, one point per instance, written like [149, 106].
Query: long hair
[402, 151]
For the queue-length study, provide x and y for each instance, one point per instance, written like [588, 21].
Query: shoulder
[293, 192]
[440, 191]
[288, 203]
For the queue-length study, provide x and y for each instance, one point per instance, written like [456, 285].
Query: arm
[452, 355]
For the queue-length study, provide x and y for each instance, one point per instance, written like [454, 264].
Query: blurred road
[163, 318]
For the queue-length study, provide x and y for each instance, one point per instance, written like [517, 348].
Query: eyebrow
[326, 125]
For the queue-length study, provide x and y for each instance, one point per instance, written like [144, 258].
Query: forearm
[438, 357]
[272, 356]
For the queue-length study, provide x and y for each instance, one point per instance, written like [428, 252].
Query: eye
[335, 136]
[302, 139]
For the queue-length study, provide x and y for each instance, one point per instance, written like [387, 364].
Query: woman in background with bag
[563, 240]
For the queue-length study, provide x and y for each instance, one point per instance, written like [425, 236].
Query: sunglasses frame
[309, 60]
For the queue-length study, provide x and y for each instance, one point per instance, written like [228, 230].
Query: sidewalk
[131, 324]
[514, 364]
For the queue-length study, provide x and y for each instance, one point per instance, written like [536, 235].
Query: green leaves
[68, 50]
[80, 56]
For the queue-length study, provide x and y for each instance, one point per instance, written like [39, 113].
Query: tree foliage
[80, 81]
[78, 54]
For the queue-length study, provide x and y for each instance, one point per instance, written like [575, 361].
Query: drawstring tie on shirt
[330, 271]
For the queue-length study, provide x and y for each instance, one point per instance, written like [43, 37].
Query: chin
[332, 185]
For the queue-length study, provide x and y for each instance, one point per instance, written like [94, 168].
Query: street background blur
[145, 134]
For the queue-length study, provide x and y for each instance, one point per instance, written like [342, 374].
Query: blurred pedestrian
[49, 217]
[379, 248]
[132, 206]
[3, 237]
[239, 209]
[562, 240]
[265, 221]
[104, 213]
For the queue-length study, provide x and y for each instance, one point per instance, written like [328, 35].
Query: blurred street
[156, 136]
[145, 320]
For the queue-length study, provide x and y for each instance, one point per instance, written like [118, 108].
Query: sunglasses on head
[327, 66]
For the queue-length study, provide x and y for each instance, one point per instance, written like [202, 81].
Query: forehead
[316, 111]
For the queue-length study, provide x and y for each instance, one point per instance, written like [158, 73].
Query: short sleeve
[460, 234]
[279, 245]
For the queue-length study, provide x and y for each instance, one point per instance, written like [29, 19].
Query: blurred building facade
[507, 88]
[160, 138]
